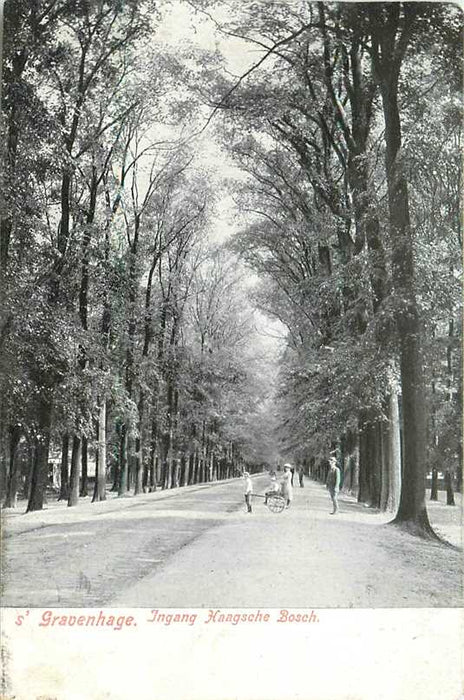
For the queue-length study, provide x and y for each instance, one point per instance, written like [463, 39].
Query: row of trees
[124, 336]
[348, 130]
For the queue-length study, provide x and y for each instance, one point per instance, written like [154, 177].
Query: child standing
[248, 491]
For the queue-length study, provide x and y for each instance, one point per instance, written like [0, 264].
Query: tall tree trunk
[449, 488]
[123, 462]
[76, 454]
[153, 479]
[99, 493]
[434, 489]
[168, 436]
[31, 459]
[84, 463]
[64, 469]
[12, 486]
[83, 308]
[175, 472]
[40, 464]
[8, 190]
[130, 352]
[188, 468]
[389, 44]
[116, 467]
[195, 468]
[139, 461]
[364, 483]
[392, 452]
[459, 477]
[376, 464]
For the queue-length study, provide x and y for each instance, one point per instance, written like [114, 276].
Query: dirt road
[197, 547]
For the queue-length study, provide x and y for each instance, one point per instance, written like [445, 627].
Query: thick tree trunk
[175, 472]
[434, 489]
[76, 454]
[64, 469]
[169, 470]
[99, 493]
[84, 462]
[412, 510]
[449, 488]
[364, 484]
[187, 469]
[214, 465]
[376, 464]
[459, 478]
[139, 444]
[115, 470]
[138, 463]
[195, 475]
[12, 485]
[27, 480]
[387, 54]
[83, 311]
[40, 464]
[391, 484]
[123, 462]
[153, 472]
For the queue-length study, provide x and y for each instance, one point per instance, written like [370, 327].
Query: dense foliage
[128, 339]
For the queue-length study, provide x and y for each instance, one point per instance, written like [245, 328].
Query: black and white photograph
[231, 344]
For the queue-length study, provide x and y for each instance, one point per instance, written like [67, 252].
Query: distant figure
[248, 491]
[301, 477]
[273, 487]
[287, 490]
[333, 483]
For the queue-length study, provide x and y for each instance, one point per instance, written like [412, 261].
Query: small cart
[275, 502]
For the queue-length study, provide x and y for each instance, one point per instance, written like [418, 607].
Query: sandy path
[304, 557]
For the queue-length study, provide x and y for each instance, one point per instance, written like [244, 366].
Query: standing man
[301, 477]
[333, 482]
[248, 491]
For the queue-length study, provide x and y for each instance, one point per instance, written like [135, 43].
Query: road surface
[197, 547]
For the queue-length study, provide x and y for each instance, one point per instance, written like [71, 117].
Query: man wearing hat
[333, 482]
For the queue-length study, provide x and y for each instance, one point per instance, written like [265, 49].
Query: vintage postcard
[231, 350]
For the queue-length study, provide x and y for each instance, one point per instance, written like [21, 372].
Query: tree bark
[393, 443]
[375, 474]
[31, 460]
[364, 449]
[389, 44]
[99, 493]
[12, 484]
[84, 462]
[123, 462]
[153, 472]
[76, 454]
[139, 460]
[64, 470]
[449, 488]
[434, 488]
[40, 464]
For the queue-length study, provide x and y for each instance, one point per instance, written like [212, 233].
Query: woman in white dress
[287, 489]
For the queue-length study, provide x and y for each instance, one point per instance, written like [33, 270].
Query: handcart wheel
[276, 504]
